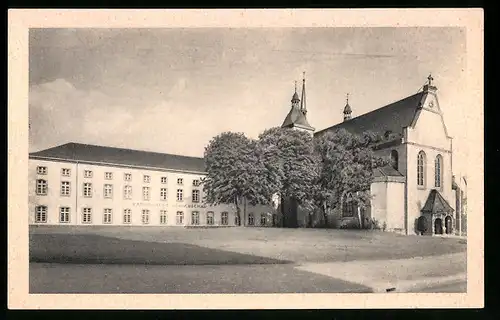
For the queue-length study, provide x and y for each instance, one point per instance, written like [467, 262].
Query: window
[163, 194]
[87, 189]
[108, 191]
[163, 180]
[237, 220]
[179, 217]
[127, 177]
[210, 218]
[64, 214]
[196, 182]
[224, 218]
[41, 170]
[41, 187]
[251, 219]
[127, 215]
[163, 216]
[421, 169]
[146, 179]
[394, 159]
[41, 214]
[145, 193]
[65, 188]
[438, 163]
[180, 181]
[145, 216]
[65, 172]
[87, 174]
[127, 192]
[87, 215]
[263, 219]
[195, 218]
[196, 195]
[107, 218]
[349, 209]
[108, 175]
[179, 195]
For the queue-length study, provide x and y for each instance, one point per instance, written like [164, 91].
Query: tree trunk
[238, 210]
[245, 218]
[359, 217]
[325, 214]
[282, 211]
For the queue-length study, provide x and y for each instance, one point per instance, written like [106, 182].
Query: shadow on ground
[96, 249]
[206, 279]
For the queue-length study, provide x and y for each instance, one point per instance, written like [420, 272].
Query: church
[419, 180]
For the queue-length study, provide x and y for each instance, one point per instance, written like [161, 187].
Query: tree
[346, 163]
[290, 167]
[234, 172]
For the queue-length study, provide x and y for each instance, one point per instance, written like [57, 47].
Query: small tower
[303, 107]
[347, 109]
[296, 118]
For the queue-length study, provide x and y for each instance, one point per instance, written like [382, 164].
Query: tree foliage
[233, 171]
[346, 163]
[291, 164]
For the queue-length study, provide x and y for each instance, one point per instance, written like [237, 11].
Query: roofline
[112, 147]
[374, 110]
[113, 164]
[304, 126]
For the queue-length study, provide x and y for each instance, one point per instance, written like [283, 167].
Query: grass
[179, 246]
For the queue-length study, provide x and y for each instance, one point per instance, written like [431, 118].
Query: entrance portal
[448, 224]
[438, 226]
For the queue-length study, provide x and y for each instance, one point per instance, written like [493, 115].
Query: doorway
[438, 226]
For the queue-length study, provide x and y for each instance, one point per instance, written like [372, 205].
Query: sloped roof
[386, 171]
[92, 153]
[436, 203]
[393, 117]
[296, 117]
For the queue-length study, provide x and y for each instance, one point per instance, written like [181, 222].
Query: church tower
[347, 110]
[297, 117]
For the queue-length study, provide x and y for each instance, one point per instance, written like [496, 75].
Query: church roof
[386, 171]
[436, 203]
[117, 156]
[296, 117]
[391, 118]
[347, 109]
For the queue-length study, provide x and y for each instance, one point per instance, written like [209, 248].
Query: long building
[81, 184]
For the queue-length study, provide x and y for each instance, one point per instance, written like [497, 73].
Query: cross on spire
[295, 85]
[430, 78]
[347, 98]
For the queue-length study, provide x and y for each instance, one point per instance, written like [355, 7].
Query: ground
[222, 260]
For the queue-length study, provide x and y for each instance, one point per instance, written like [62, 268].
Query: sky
[172, 90]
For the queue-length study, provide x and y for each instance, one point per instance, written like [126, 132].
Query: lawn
[225, 246]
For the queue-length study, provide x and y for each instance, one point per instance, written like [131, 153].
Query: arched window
[421, 169]
[394, 159]
[438, 169]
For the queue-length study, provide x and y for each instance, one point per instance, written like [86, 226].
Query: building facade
[77, 184]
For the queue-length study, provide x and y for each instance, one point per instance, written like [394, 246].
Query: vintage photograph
[222, 160]
[245, 159]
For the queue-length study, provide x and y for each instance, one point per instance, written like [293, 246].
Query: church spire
[303, 100]
[347, 109]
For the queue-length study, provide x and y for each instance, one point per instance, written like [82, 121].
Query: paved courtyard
[246, 260]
